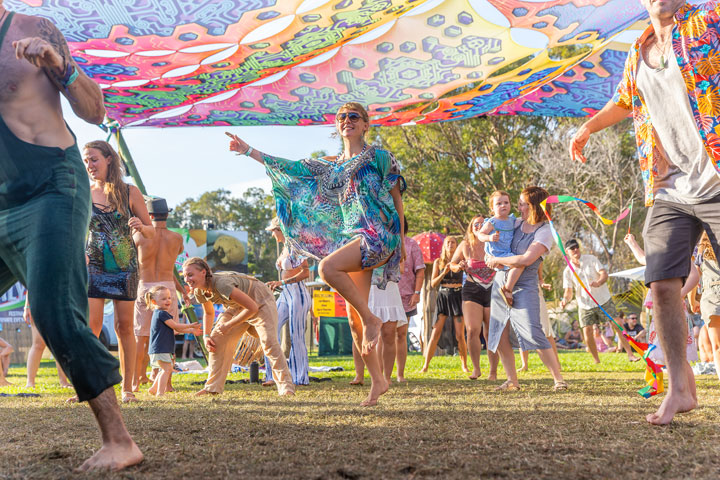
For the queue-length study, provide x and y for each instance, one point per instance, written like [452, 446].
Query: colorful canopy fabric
[167, 63]
[430, 245]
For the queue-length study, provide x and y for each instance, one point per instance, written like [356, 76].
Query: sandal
[560, 386]
[508, 386]
[128, 397]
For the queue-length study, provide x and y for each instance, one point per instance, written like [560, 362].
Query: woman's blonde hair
[200, 264]
[115, 188]
[534, 196]
[446, 254]
[355, 107]
[470, 237]
[706, 248]
[152, 293]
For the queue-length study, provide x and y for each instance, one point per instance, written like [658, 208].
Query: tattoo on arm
[50, 33]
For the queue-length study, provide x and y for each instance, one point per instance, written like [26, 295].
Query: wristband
[249, 151]
[206, 336]
[71, 74]
[283, 282]
[417, 292]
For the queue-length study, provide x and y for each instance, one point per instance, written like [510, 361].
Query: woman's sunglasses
[352, 116]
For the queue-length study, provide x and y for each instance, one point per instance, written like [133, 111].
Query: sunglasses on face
[573, 248]
[352, 116]
[632, 318]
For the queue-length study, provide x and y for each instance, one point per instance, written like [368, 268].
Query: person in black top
[634, 328]
[162, 336]
[448, 276]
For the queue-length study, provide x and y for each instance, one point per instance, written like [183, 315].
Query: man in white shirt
[594, 276]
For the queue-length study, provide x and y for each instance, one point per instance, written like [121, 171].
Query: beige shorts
[156, 358]
[143, 313]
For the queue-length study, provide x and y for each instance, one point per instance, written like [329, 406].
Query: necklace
[661, 50]
[342, 158]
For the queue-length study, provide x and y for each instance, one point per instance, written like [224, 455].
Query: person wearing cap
[293, 306]
[594, 276]
[156, 256]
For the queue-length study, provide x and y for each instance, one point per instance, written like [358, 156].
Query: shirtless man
[157, 257]
[45, 211]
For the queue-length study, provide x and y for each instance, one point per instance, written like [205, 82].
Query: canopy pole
[135, 174]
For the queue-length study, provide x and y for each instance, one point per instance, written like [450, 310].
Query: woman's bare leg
[555, 351]
[524, 359]
[34, 356]
[401, 351]
[713, 332]
[141, 348]
[434, 339]
[388, 334]
[126, 345]
[359, 366]
[361, 280]
[507, 356]
[462, 345]
[473, 315]
[336, 269]
[549, 358]
[493, 357]
[97, 306]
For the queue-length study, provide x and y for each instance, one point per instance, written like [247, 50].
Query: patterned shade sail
[430, 245]
[167, 63]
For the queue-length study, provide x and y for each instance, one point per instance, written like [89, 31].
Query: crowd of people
[346, 212]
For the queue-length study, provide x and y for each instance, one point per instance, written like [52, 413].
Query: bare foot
[128, 397]
[357, 381]
[144, 379]
[202, 392]
[524, 368]
[475, 375]
[65, 385]
[424, 369]
[31, 385]
[4, 383]
[152, 391]
[287, 393]
[492, 376]
[676, 402]
[371, 334]
[113, 457]
[74, 399]
[377, 389]
[401, 379]
[633, 358]
[465, 369]
[270, 383]
[508, 386]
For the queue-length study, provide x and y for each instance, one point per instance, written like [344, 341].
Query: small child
[162, 336]
[497, 233]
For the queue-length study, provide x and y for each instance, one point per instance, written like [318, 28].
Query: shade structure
[637, 274]
[169, 63]
[430, 245]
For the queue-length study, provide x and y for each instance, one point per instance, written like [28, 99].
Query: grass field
[438, 425]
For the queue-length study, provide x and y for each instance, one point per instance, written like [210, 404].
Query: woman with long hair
[532, 240]
[345, 211]
[470, 256]
[118, 211]
[447, 277]
[249, 307]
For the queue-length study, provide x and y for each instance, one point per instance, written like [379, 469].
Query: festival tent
[172, 63]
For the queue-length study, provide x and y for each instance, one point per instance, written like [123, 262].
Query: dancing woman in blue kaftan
[344, 211]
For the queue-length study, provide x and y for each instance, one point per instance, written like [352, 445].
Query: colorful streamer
[653, 371]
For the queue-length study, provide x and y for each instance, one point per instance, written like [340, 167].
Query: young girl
[162, 336]
[497, 233]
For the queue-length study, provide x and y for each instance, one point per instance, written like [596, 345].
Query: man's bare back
[157, 255]
[29, 99]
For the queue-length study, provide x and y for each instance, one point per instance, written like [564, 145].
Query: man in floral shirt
[671, 84]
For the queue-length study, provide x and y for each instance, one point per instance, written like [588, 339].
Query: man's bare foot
[475, 375]
[371, 334]
[424, 369]
[31, 385]
[113, 457]
[633, 358]
[377, 389]
[269, 383]
[74, 399]
[152, 391]
[401, 379]
[287, 393]
[524, 368]
[4, 383]
[492, 376]
[357, 381]
[144, 379]
[202, 392]
[672, 404]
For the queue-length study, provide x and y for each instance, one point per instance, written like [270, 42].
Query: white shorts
[387, 304]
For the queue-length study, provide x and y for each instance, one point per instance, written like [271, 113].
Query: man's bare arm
[49, 51]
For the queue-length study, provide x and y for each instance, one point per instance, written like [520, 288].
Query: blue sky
[177, 163]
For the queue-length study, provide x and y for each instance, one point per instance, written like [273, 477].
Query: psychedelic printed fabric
[168, 63]
[323, 205]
